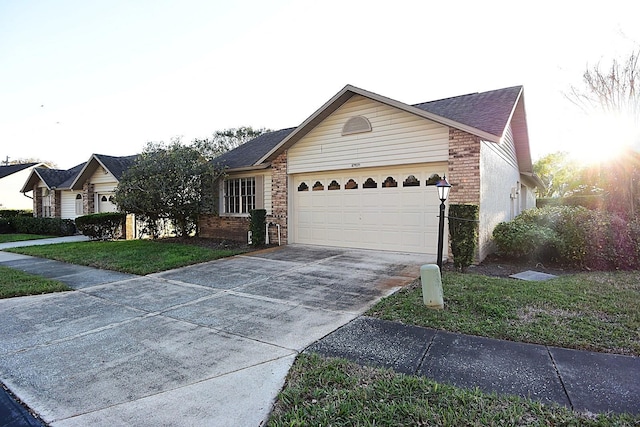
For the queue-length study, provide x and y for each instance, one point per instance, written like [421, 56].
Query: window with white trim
[46, 203]
[239, 195]
[79, 205]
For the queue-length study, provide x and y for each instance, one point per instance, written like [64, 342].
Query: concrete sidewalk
[39, 242]
[583, 381]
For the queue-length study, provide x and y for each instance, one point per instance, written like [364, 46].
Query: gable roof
[11, 169]
[53, 179]
[487, 111]
[248, 154]
[114, 165]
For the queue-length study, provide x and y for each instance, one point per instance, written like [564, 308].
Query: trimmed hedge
[45, 226]
[463, 233]
[573, 236]
[10, 213]
[257, 218]
[102, 226]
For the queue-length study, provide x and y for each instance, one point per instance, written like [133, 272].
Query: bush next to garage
[44, 226]
[102, 226]
[573, 236]
[463, 232]
[258, 226]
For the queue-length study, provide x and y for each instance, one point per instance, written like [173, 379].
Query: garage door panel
[393, 218]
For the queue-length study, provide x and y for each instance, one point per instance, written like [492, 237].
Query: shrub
[102, 226]
[592, 202]
[463, 232]
[6, 226]
[573, 236]
[257, 218]
[522, 239]
[10, 213]
[46, 226]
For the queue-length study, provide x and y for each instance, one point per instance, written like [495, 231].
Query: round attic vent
[357, 124]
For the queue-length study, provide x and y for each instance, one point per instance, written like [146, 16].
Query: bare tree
[614, 91]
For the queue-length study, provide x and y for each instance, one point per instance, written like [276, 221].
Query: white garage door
[377, 208]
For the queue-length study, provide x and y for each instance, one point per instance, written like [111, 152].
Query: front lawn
[14, 283]
[129, 256]
[334, 392]
[17, 237]
[588, 311]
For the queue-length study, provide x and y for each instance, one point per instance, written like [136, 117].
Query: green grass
[589, 311]
[16, 237]
[334, 392]
[14, 283]
[129, 256]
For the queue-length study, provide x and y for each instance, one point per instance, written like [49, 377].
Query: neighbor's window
[239, 195]
[46, 202]
[79, 205]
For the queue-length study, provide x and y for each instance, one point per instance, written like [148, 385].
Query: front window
[46, 203]
[239, 195]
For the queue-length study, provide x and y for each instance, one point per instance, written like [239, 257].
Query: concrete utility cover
[533, 276]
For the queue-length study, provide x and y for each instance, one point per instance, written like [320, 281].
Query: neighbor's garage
[371, 208]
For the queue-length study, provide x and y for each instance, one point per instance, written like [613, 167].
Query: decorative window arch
[370, 183]
[334, 185]
[357, 124]
[389, 182]
[351, 185]
[303, 187]
[318, 186]
[411, 181]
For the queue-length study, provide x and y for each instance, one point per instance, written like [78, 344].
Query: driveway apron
[208, 344]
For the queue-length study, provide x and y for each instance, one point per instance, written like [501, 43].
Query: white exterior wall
[397, 138]
[500, 179]
[68, 204]
[10, 195]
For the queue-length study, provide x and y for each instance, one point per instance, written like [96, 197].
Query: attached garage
[370, 208]
[354, 173]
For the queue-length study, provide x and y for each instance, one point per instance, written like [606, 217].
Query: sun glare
[605, 137]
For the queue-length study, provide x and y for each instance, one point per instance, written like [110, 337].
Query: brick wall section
[37, 201]
[224, 227]
[279, 200]
[88, 199]
[464, 167]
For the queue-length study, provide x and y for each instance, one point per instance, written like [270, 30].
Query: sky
[83, 77]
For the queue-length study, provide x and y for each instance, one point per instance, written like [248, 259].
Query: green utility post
[431, 286]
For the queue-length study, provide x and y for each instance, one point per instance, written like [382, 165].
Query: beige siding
[397, 138]
[103, 181]
[68, 204]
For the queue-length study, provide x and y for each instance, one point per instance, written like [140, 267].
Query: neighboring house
[11, 179]
[84, 189]
[354, 173]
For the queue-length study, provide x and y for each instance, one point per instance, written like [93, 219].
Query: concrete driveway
[208, 344]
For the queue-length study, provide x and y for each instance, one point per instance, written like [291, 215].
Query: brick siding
[464, 167]
[279, 199]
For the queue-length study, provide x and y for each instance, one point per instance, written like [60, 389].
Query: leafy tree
[225, 140]
[24, 160]
[168, 181]
[561, 175]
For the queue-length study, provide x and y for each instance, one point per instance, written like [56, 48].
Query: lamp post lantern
[443, 192]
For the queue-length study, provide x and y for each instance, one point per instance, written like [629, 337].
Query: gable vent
[356, 124]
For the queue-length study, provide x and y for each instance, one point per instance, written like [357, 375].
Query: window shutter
[259, 182]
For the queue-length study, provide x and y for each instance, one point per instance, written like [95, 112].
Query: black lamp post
[443, 192]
